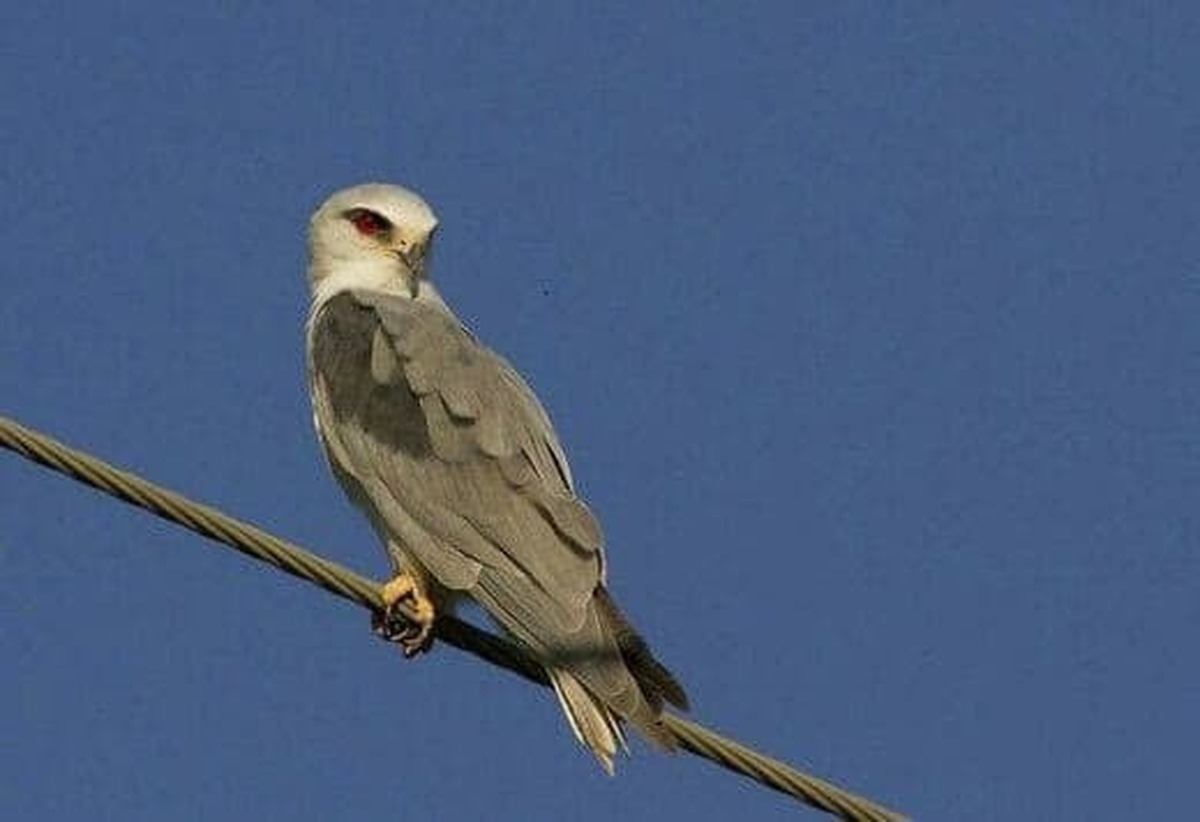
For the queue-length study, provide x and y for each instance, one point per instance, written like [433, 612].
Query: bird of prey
[454, 461]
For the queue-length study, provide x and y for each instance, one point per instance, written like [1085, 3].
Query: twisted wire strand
[259, 545]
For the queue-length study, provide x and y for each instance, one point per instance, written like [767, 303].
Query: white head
[374, 236]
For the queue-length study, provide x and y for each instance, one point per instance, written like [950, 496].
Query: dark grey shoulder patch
[362, 386]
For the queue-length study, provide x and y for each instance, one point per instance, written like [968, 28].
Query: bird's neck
[370, 275]
[379, 276]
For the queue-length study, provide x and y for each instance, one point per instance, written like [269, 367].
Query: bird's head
[374, 236]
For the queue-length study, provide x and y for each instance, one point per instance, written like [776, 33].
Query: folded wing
[452, 456]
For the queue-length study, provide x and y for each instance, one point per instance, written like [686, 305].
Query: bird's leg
[414, 636]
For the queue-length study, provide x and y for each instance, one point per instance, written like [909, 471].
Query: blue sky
[871, 334]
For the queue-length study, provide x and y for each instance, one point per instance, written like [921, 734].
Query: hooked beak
[413, 256]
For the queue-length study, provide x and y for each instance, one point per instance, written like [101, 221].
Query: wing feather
[456, 438]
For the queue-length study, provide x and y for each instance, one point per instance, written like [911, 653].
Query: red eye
[368, 222]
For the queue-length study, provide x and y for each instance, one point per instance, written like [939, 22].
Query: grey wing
[451, 455]
[457, 461]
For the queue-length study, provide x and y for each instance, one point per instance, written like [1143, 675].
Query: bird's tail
[594, 724]
[657, 684]
[634, 685]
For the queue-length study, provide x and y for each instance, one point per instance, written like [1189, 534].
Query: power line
[258, 544]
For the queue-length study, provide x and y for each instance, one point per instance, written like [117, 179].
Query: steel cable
[258, 544]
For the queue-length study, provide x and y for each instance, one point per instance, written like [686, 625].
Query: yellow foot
[415, 635]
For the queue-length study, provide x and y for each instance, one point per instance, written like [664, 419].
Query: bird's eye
[369, 223]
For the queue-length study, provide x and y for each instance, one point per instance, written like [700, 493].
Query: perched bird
[454, 461]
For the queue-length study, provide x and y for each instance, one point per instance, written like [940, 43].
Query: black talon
[392, 626]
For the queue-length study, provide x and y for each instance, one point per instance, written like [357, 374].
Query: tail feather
[656, 682]
[594, 724]
[599, 694]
